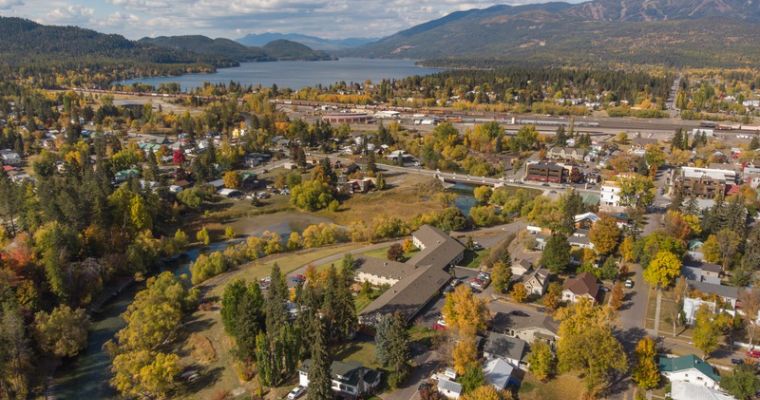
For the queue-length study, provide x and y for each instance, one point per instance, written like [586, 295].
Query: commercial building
[703, 183]
[552, 172]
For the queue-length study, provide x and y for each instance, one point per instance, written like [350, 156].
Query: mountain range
[669, 32]
[226, 48]
[316, 43]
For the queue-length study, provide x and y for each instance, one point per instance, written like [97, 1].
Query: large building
[348, 118]
[703, 183]
[552, 172]
[413, 283]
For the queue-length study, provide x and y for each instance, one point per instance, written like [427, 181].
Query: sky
[235, 18]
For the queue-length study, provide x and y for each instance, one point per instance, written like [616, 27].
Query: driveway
[424, 366]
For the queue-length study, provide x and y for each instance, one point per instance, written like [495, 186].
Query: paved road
[479, 179]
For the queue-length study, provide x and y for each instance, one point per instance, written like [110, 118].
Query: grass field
[406, 202]
[563, 387]
[288, 262]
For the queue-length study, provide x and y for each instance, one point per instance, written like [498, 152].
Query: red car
[754, 353]
[440, 325]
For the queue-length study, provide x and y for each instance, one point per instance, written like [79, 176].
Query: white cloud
[71, 14]
[8, 4]
[235, 18]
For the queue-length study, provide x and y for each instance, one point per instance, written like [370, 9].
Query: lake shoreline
[295, 75]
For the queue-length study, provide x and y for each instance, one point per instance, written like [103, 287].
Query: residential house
[537, 281]
[586, 220]
[507, 348]
[349, 379]
[694, 250]
[580, 239]
[717, 297]
[566, 153]
[449, 389]
[582, 286]
[690, 391]
[609, 199]
[689, 369]
[701, 271]
[498, 373]
[520, 267]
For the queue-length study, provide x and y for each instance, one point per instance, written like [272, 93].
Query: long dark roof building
[424, 275]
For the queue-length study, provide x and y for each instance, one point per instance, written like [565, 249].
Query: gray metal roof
[711, 288]
[501, 345]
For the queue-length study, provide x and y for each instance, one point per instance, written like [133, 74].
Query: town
[406, 258]
[321, 200]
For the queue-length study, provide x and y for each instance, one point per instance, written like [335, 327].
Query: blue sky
[235, 18]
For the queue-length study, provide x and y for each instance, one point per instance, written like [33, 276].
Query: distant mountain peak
[671, 32]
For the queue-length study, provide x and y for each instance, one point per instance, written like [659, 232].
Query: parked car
[629, 284]
[478, 284]
[297, 392]
[484, 276]
[737, 361]
[440, 325]
[754, 353]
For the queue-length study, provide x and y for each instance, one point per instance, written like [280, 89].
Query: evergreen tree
[754, 143]
[393, 351]
[371, 164]
[560, 138]
[320, 374]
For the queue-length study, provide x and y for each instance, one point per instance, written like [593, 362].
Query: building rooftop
[728, 292]
[689, 391]
[501, 345]
[411, 293]
[347, 372]
[674, 364]
[385, 268]
[498, 372]
[584, 283]
[445, 385]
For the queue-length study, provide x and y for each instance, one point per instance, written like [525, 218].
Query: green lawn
[288, 262]
[359, 351]
[472, 259]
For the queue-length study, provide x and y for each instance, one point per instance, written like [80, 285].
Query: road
[479, 180]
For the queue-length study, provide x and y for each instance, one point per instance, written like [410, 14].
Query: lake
[299, 74]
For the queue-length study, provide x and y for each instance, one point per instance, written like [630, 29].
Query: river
[298, 74]
[87, 376]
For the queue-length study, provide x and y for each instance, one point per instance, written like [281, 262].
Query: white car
[297, 392]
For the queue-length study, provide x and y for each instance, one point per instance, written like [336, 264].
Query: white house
[348, 379]
[690, 391]
[450, 389]
[537, 281]
[689, 369]
[718, 298]
[582, 286]
[498, 373]
[609, 199]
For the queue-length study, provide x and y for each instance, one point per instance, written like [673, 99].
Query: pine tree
[320, 377]
[754, 143]
[392, 351]
[346, 321]
[560, 138]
